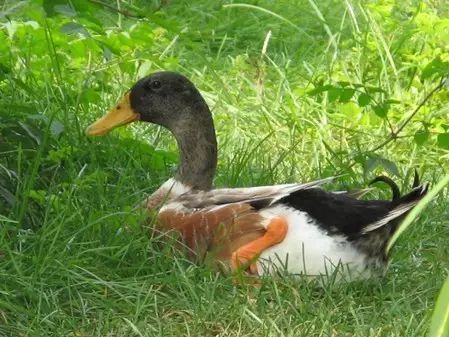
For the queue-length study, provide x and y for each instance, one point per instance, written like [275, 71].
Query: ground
[299, 90]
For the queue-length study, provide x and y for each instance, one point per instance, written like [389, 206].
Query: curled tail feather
[394, 187]
[400, 207]
[396, 194]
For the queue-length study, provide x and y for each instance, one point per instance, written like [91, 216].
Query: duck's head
[165, 98]
[169, 99]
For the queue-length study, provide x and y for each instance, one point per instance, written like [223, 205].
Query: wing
[262, 195]
[352, 217]
[220, 229]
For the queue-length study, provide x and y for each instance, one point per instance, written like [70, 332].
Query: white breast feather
[307, 249]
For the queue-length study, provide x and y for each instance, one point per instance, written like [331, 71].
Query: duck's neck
[198, 156]
[198, 150]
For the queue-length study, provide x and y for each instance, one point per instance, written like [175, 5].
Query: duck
[296, 228]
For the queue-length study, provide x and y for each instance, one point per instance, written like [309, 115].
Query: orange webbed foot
[245, 257]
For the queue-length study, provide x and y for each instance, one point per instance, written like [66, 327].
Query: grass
[74, 257]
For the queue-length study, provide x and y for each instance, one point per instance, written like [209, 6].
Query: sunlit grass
[75, 259]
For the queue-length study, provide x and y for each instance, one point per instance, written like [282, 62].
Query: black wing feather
[345, 215]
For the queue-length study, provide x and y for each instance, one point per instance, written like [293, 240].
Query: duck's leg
[275, 233]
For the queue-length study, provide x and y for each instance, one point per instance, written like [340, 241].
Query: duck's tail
[396, 194]
[400, 205]
[394, 187]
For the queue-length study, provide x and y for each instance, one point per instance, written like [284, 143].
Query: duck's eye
[155, 84]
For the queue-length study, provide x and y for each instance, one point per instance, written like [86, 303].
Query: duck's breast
[308, 249]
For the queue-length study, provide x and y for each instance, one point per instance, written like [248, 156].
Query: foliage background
[299, 90]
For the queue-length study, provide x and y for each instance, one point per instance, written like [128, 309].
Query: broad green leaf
[439, 325]
[421, 136]
[374, 162]
[435, 67]
[320, 89]
[171, 24]
[363, 100]
[49, 6]
[105, 44]
[74, 28]
[443, 140]
[381, 110]
[346, 94]
[90, 95]
[389, 166]
[84, 7]
[333, 94]
[417, 210]
[65, 10]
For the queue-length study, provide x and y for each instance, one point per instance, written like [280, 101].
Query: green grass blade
[77, 259]
[439, 326]
[266, 11]
[417, 210]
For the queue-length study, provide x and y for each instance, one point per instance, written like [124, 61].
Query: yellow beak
[121, 114]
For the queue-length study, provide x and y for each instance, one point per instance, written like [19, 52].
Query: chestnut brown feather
[218, 232]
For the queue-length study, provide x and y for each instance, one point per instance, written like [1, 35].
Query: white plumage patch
[173, 206]
[175, 188]
[307, 249]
